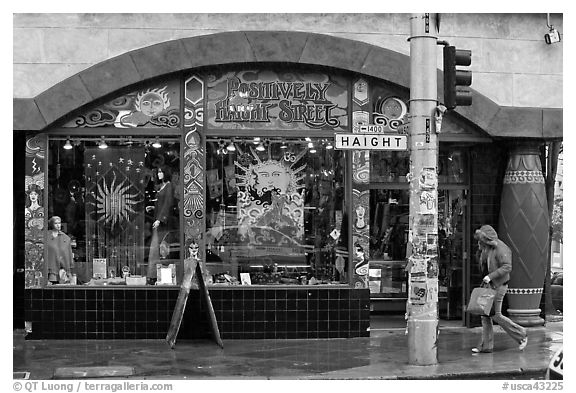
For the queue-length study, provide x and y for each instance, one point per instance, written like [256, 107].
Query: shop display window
[117, 199]
[275, 212]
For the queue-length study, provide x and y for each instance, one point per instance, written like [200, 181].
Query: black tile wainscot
[242, 312]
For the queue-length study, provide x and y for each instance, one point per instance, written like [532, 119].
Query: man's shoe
[478, 350]
[523, 343]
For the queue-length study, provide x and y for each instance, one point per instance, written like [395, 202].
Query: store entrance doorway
[389, 236]
[452, 246]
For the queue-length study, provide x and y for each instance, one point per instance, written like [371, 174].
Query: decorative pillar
[194, 166]
[360, 190]
[36, 206]
[524, 224]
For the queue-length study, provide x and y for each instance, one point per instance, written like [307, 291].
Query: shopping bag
[481, 301]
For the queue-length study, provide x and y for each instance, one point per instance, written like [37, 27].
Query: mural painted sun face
[152, 102]
[281, 176]
[114, 203]
[271, 175]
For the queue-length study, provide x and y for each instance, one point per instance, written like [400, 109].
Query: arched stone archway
[258, 47]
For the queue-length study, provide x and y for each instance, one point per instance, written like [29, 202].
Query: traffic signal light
[454, 94]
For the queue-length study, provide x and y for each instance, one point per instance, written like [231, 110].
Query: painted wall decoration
[389, 110]
[194, 166]
[34, 212]
[360, 188]
[271, 192]
[274, 99]
[151, 107]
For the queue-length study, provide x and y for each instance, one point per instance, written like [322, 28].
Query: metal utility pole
[422, 305]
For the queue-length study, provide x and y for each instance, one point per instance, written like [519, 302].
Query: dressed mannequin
[162, 214]
[59, 252]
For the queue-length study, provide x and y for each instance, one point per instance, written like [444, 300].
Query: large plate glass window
[275, 212]
[118, 202]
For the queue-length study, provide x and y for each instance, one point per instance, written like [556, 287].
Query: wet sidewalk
[384, 355]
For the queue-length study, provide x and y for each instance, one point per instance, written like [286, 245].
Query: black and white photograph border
[481, 98]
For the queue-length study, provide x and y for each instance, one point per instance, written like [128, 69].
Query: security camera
[552, 36]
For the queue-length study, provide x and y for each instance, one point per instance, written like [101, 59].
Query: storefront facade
[297, 239]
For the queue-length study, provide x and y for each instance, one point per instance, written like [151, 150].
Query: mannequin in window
[162, 217]
[73, 211]
[58, 252]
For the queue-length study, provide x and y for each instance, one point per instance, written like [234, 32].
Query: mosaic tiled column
[34, 213]
[360, 189]
[524, 224]
[194, 165]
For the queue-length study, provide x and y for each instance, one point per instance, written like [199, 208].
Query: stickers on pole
[421, 311]
[432, 290]
[431, 244]
[432, 268]
[428, 201]
[428, 179]
[425, 244]
[418, 265]
[426, 223]
[428, 182]
[418, 292]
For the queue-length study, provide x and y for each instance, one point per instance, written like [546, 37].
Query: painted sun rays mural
[271, 191]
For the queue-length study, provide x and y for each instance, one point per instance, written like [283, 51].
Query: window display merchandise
[275, 212]
[119, 207]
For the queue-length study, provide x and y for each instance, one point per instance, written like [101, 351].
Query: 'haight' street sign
[370, 141]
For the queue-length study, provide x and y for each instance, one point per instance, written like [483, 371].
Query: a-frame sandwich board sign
[193, 269]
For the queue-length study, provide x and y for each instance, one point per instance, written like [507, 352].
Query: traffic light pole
[422, 304]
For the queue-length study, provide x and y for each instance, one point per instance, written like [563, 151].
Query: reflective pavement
[384, 355]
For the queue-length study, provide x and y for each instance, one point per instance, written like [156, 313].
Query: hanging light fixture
[329, 146]
[68, 144]
[260, 147]
[256, 140]
[311, 147]
[231, 146]
[283, 145]
[222, 147]
[157, 143]
[102, 144]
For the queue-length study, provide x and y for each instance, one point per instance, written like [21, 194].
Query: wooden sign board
[194, 270]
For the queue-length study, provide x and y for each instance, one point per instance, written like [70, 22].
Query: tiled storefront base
[242, 313]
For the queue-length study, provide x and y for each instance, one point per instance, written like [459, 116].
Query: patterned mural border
[360, 188]
[525, 291]
[34, 220]
[523, 177]
[194, 166]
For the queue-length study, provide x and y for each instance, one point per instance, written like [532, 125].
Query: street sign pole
[422, 304]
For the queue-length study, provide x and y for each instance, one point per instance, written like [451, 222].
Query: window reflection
[275, 212]
[389, 166]
[119, 205]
